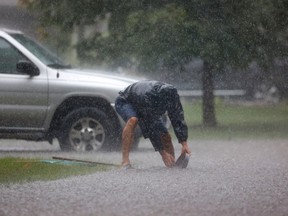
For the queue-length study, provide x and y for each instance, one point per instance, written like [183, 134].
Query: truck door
[23, 98]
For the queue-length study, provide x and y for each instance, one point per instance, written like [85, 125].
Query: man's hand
[185, 148]
[167, 158]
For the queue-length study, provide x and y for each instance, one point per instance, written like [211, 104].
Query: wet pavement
[236, 177]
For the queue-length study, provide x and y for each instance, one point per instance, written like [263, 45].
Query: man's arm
[176, 116]
[128, 139]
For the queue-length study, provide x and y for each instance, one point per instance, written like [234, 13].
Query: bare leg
[168, 155]
[128, 139]
[167, 144]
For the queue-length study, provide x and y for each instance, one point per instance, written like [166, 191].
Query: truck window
[9, 56]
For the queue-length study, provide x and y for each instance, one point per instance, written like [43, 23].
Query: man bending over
[144, 103]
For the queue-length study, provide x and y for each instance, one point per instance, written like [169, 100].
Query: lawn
[17, 170]
[239, 121]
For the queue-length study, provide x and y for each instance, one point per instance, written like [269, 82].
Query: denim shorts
[124, 109]
[152, 129]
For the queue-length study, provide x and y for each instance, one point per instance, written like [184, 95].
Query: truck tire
[87, 129]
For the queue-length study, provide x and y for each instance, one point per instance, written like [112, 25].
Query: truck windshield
[40, 52]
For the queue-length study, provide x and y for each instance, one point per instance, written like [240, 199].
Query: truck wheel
[86, 129]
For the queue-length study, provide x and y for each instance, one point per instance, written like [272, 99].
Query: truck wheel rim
[87, 134]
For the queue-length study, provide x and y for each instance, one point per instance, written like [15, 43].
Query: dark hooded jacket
[152, 99]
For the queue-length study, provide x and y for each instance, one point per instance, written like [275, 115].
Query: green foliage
[20, 170]
[158, 36]
[169, 33]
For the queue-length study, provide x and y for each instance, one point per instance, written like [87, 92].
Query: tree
[170, 33]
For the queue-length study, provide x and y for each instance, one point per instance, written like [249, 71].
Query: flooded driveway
[236, 177]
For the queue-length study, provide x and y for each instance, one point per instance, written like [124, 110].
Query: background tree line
[163, 36]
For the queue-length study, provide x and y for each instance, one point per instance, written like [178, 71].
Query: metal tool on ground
[85, 161]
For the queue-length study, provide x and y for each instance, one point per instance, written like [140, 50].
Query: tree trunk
[208, 107]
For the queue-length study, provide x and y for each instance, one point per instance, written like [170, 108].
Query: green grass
[239, 121]
[19, 170]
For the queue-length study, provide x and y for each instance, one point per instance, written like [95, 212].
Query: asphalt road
[236, 177]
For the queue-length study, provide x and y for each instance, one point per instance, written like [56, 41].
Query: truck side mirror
[27, 67]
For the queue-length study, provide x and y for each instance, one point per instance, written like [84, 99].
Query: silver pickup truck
[41, 98]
